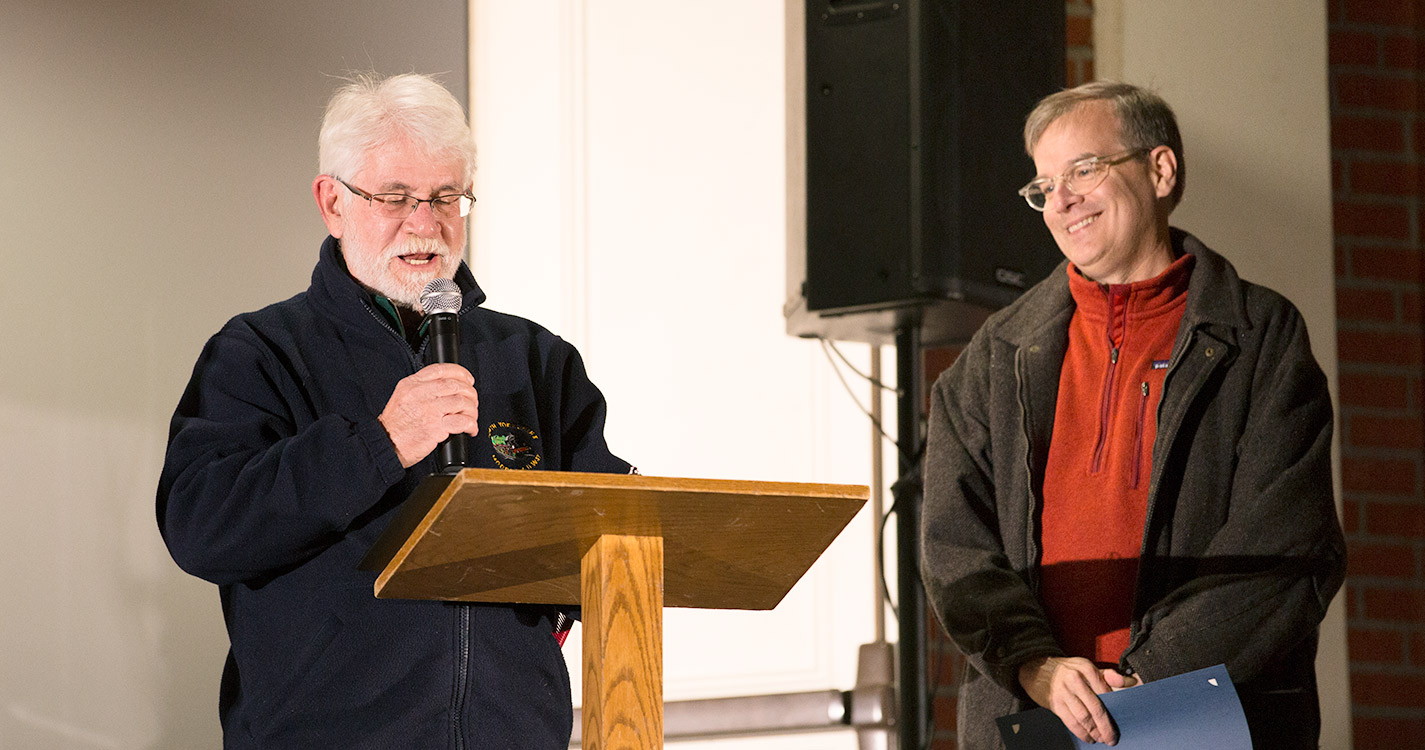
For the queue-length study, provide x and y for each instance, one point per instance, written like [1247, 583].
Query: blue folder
[1193, 710]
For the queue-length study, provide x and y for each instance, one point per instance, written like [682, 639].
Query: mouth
[1081, 223]
[418, 259]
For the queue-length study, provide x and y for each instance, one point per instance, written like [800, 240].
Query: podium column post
[621, 578]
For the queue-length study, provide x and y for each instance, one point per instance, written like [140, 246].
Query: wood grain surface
[623, 643]
[508, 536]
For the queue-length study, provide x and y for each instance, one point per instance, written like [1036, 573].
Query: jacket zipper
[388, 327]
[462, 675]
[1139, 434]
[462, 668]
[1031, 547]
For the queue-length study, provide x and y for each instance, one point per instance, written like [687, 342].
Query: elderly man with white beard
[307, 423]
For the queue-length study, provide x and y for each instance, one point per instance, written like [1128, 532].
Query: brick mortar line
[1375, 199]
[1376, 28]
[1385, 712]
[1346, 325]
[1368, 241]
[1415, 503]
[1349, 158]
[1359, 111]
[1403, 671]
[1373, 284]
[1397, 454]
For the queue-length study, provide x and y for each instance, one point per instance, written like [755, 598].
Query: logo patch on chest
[516, 447]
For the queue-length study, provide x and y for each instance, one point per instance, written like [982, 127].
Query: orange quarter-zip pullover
[1096, 480]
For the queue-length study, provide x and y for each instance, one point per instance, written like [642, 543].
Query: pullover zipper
[1104, 410]
[1117, 316]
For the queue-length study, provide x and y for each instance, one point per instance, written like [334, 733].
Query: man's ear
[1164, 166]
[327, 190]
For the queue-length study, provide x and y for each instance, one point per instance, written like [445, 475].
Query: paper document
[1194, 710]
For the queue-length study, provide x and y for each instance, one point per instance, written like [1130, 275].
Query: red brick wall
[1078, 35]
[1377, 137]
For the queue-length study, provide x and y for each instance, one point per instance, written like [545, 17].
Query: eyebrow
[448, 188]
[1072, 162]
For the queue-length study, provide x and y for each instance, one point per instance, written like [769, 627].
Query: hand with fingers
[436, 402]
[1070, 686]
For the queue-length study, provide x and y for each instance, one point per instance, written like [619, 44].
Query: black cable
[873, 381]
[826, 349]
[881, 556]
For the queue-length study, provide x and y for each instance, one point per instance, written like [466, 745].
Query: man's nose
[423, 222]
[1062, 200]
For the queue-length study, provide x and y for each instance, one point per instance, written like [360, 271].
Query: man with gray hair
[307, 423]
[1128, 470]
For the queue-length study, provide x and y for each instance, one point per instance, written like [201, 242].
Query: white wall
[633, 197]
[156, 160]
[1248, 83]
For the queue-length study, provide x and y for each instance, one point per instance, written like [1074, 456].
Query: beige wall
[1248, 83]
[156, 161]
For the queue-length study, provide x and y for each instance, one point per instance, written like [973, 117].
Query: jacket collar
[1216, 294]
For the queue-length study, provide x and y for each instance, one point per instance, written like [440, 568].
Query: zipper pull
[1113, 356]
[1145, 388]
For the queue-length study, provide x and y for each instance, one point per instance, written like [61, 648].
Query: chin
[405, 288]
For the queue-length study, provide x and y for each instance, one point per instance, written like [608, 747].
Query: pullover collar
[1138, 300]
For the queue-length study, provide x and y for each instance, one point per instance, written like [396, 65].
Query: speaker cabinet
[914, 112]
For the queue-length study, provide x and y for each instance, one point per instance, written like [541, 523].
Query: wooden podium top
[486, 535]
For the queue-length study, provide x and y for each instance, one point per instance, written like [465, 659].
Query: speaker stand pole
[914, 712]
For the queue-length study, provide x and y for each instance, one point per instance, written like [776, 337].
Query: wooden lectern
[623, 547]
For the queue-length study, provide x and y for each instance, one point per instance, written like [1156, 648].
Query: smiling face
[396, 257]
[1118, 233]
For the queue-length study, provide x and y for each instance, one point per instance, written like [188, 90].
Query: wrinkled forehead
[406, 166]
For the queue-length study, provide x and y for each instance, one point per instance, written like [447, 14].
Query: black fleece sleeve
[245, 491]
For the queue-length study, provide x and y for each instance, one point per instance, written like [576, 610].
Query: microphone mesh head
[440, 296]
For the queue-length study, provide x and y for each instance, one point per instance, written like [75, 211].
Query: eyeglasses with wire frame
[1080, 178]
[400, 205]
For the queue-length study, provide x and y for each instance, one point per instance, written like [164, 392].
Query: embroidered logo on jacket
[516, 447]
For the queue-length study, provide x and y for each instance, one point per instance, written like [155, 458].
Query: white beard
[384, 273]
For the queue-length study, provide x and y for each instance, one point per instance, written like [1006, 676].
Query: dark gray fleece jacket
[1242, 550]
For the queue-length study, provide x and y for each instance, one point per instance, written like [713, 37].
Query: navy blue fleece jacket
[279, 477]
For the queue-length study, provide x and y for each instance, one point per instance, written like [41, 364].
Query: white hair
[370, 111]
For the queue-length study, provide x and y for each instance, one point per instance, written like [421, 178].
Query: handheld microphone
[441, 300]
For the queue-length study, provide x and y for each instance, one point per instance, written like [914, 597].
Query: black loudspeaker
[914, 118]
